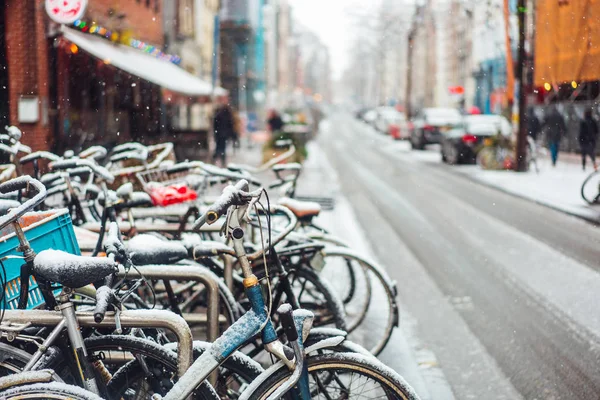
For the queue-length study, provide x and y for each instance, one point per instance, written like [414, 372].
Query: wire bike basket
[51, 229]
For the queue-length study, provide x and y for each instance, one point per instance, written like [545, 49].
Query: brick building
[24, 74]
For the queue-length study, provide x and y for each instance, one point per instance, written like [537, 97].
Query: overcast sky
[333, 21]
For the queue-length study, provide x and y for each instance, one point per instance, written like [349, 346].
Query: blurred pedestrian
[224, 129]
[555, 128]
[275, 123]
[588, 136]
[533, 125]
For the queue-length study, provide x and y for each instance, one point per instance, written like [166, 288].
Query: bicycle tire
[126, 374]
[354, 287]
[331, 367]
[12, 359]
[386, 316]
[45, 391]
[595, 198]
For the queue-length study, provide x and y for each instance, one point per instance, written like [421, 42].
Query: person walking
[533, 125]
[588, 136]
[275, 123]
[224, 129]
[555, 129]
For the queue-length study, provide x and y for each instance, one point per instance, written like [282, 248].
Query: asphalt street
[504, 292]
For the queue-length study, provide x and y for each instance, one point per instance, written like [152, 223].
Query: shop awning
[160, 72]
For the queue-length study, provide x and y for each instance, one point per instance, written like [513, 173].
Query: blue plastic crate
[52, 230]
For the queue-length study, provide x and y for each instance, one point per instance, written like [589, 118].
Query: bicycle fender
[256, 383]
[26, 378]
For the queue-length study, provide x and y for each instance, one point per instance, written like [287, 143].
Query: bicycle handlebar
[97, 169]
[104, 298]
[233, 195]
[37, 155]
[93, 152]
[23, 182]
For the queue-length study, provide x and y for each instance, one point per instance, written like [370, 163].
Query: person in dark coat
[555, 128]
[224, 129]
[275, 122]
[588, 136]
[533, 125]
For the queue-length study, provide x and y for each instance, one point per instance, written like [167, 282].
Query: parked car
[430, 123]
[461, 144]
[369, 117]
[392, 122]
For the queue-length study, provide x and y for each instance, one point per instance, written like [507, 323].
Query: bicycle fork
[82, 361]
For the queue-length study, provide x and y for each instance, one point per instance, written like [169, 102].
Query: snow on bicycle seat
[150, 249]
[70, 270]
[6, 205]
[301, 209]
[211, 249]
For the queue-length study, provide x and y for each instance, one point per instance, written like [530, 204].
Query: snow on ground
[404, 352]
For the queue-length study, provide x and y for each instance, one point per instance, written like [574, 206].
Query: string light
[115, 37]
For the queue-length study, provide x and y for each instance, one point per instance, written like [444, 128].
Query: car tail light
[469, 139]
[428, 128]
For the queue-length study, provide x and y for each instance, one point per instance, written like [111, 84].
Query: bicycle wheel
[343, 375]
[381, 315]
[12, 359]
[52, 390]
[350, 281]
[590, 189]
[130, 366]
[313, 294]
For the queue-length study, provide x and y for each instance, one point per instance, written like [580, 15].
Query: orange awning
[567, 41]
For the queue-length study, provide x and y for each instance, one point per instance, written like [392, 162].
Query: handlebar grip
[232, 195]
[286, 317]
[104, 298]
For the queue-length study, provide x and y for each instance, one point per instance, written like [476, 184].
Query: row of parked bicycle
[194, 282]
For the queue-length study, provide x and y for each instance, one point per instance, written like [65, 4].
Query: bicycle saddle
[211, 249]
[301, 209]
[71, 270]
[6, 205]
[149, 249]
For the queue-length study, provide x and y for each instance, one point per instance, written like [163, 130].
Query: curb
[581, 215]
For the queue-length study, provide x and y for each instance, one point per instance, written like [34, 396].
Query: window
[186, 17]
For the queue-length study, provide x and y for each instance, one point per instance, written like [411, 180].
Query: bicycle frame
[256, 320]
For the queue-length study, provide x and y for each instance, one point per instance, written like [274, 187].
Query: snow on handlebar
[233, 195]
[34, 187]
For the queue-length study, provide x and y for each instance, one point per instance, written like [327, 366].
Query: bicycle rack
[185, 273]
[128, 319]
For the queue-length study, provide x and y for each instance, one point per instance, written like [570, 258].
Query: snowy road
[505, 292]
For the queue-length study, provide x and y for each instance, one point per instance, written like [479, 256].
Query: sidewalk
[556, 187]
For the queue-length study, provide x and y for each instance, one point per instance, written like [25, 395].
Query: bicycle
[590, 188]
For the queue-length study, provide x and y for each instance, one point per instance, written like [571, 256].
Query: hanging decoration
[65, 11]
[114, 36]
